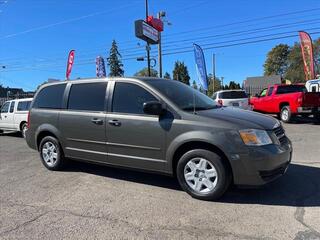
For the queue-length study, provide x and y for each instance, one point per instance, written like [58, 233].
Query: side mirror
[153, 108]
[257, 95]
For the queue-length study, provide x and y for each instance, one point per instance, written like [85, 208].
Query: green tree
[225, 87]
[180, 72]
[114, 61]
[194, 84]
[316, 52]
[277, 60]
[234, 85]
[295, 71]
[144, 73]
[167, 75]
[217, 85]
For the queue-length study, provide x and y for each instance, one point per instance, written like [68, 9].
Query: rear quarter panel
[20, 117]
[44, 120]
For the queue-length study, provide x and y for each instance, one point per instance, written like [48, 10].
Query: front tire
[285, 114]
[51, 153]
[203, 174]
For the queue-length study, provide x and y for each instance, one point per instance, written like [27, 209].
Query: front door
[6, 118]
[83, 122]
[134, 138]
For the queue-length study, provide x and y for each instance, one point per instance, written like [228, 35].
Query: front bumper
[261, 165]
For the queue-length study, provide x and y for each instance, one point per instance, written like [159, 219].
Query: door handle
[97, 121]
[114, 123]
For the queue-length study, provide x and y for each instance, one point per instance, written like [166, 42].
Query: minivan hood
[241, 118]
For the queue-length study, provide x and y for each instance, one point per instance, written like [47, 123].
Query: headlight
[255, 137]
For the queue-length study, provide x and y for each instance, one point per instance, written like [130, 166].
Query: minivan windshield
[182, 95]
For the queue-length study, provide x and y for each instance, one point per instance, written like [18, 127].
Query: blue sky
[36, 35]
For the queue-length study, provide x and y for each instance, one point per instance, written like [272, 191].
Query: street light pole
[148, 46]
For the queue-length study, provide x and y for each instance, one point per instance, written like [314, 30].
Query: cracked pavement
[95, 202]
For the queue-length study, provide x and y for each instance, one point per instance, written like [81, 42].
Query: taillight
[220, 102]
[28, 120]
[299, 100]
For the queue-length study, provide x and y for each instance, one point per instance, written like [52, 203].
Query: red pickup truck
[287, 101]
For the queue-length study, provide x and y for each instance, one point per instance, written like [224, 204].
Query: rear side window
[50, 97]
[270, 91]
[5, 107]
[87, 96]
[291, 89]
[232, 95]
[23, 106]
[12, 106]
[129, 98]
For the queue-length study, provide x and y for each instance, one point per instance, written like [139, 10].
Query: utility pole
[222, 82]
[148, 45]
[213, 70]
[160, 14]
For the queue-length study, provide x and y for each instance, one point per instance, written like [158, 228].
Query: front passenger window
[129, 98]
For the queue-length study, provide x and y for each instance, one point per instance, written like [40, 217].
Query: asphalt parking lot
[94, 202]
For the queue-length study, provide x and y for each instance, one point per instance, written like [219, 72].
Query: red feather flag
[70, 64]
[307, 55]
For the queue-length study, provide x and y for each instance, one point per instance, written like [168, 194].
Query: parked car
[13, 115]
[159, 126]
[233, 98]
[287, 101]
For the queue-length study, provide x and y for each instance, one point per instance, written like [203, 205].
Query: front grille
[280, 134]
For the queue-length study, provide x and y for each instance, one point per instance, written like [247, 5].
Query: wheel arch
[47, 130]
[282, 104]
[198, 144]
[21, 124]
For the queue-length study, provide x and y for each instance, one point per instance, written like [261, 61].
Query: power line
[223, 25]
[246, 21]
[64, 22]
[191, 50]
[135, 52]
[239, 44]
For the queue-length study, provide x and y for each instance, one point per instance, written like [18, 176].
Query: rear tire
[285, 114]
[51, 153]
[203, 174]
[23, 130]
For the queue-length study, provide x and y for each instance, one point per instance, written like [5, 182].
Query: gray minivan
[157, 125]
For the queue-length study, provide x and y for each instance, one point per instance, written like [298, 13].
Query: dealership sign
[146, 32]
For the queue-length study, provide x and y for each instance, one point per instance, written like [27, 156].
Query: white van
[14, 115]
[313, 85]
